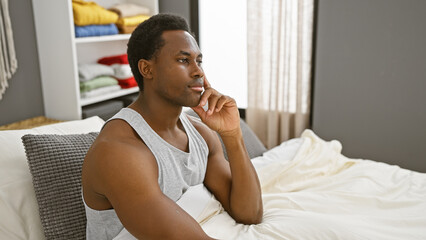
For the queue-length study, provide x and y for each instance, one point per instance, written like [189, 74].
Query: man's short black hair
[146, 40]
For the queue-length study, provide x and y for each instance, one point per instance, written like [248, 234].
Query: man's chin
[193, 104]
[188, 100]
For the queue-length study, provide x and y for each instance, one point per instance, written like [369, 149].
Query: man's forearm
[245, 197]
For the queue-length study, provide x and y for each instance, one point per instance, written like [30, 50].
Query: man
[149, 153]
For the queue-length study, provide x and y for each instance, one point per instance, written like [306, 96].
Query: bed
[309, 189]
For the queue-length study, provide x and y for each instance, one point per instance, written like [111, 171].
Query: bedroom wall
[370, 79]
[24, 98]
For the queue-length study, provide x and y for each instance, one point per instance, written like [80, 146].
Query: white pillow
[18, 206]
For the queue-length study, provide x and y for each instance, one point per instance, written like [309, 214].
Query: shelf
[107, 38]
[122, 92]
[60, 81]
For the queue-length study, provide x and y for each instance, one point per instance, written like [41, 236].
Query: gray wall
[185, 8]
[23, 98]
[180, 7]
[370, 79]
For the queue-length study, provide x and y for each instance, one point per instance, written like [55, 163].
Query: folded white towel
[89, 71]
[122, 71]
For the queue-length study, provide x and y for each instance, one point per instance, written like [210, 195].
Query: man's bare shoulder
[118, 145]
[117, 150]
[117, 135]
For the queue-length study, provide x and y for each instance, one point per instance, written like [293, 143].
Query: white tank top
[177, 170]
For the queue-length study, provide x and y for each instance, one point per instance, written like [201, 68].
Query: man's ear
[145, 68]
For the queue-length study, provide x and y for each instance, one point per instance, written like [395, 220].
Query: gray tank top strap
[142, 128]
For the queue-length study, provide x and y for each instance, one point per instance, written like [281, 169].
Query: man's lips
[197, 88]
[197, 85]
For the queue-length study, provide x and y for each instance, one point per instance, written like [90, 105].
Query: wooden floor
[29, 123]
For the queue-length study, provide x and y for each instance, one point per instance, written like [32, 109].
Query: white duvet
[311, 191]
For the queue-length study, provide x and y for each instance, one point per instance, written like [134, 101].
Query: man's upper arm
[130, 183]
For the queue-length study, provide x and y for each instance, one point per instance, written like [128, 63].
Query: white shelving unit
[102, 38]
[122, 92]
[60, 53]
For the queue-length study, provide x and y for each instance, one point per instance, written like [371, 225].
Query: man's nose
[198, 71]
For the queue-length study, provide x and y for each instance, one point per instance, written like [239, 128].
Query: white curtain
[8, 62]
[279, 68]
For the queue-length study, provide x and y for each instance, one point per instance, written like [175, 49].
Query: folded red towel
[127, 83]
[120, 59]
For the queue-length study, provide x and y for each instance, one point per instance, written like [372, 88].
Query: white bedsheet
[321, 194]
[311, 191]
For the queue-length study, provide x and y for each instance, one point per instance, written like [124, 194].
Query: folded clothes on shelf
[130, 16]
[116, 59]
[88, 71]
[129, 10]
[98, 82]
[100, 91]
[121, 71]
[95, 30]
[126, 29]
[132, 21]
[90, 13]
[127, 83]
[128, 24]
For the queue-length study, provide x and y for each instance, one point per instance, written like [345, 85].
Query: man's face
[177, 72]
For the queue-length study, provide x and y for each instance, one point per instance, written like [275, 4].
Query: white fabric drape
[8, 62]
[279, 68]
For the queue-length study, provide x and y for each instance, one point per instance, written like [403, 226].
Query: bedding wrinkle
[281, 201]
[299, 173]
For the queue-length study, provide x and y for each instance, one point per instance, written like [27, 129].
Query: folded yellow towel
[132, 21]
[129, 10]
[88, 13]
[126, 29]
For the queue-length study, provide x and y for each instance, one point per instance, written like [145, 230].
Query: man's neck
[160, 116]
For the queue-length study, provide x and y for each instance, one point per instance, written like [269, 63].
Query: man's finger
[206, 83]
[212, 103]
[220, 103]
[205, 97]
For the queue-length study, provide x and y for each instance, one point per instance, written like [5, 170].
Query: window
[223, 42]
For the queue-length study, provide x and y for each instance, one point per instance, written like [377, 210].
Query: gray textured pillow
[254, 146]
[55, 163]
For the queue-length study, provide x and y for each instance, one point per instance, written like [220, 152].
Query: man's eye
[199, 62]
[183, 60]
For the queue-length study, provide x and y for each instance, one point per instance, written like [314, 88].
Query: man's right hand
[222, 114]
